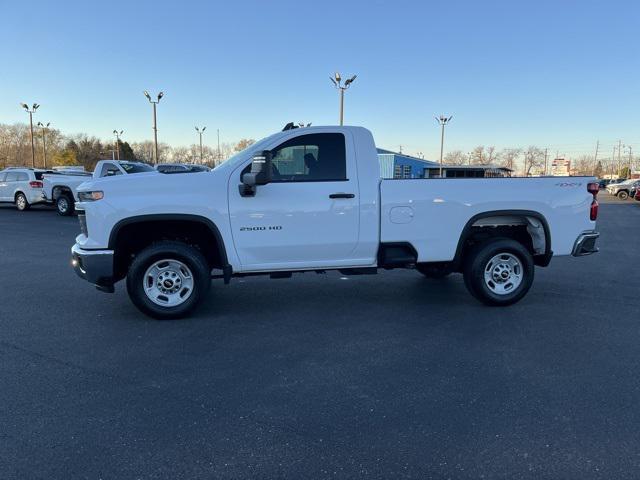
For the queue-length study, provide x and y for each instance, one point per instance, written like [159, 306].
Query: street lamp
[34, 107]
[44, 141]
[155, 124]
[117, 134]
[337, 82]
[442, 120]
[200, 132]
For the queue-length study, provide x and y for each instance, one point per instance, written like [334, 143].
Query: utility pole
[117, 134]
[155, 124]
[219, 145]
[619, 156]
[443, 121]
[595, 158]
[337, 82]
[34, 107]
[546, 154]
[200, 132]
[44, 141]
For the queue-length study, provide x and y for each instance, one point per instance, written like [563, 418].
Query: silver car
[21, 186]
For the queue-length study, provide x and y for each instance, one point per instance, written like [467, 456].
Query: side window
[317, 157]
[12, 177]
[23, 177]
[3, 175]
[109, 170]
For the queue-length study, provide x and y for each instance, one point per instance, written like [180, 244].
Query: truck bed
[434, 212]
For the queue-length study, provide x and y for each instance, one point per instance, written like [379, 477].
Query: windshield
[253, 147]
[136, 167]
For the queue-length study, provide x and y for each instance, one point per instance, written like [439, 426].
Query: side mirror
[261, 173]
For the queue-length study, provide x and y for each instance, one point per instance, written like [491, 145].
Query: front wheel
[499, 272]
[623, 195]
[64, 205]
[168, 280]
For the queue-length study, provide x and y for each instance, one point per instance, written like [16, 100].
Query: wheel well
[15, 195]
[131, 238]
[59, 190]
[529, 229]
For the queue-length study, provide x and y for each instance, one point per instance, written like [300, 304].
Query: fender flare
[541, 260]
[172, 216]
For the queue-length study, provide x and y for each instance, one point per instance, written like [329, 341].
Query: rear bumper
[94, 266]
[585, 244]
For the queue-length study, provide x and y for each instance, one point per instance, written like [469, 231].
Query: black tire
[65, 205]
[623, 195]
[172, 251]
[432, 271]
[22, 203]
[477, 262]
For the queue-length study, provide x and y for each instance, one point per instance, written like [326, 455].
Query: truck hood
[149, 182]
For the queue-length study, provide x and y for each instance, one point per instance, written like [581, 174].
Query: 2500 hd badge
[258, 229]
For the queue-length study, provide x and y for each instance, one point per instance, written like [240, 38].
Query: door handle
[342, 195]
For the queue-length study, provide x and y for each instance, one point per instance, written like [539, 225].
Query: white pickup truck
[311, 199]
[61, 188]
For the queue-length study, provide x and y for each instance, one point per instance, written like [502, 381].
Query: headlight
[90, 196]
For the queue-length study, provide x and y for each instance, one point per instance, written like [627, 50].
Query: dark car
[181, 168]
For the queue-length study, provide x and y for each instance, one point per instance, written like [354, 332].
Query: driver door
[308, 215]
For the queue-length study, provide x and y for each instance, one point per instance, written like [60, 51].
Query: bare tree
[478, 156]
[533, 159]
[509, 158]
[455, 157]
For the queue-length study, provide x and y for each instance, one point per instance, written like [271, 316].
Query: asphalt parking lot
[386, 376]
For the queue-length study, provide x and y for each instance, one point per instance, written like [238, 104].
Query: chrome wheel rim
[168, 283]
[503, 273]
[21, 202]
[63, 205]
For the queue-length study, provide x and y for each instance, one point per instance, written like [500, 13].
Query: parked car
[60, 189]
[622, 189]
[311, 199]
[181, 168]
[21, 186]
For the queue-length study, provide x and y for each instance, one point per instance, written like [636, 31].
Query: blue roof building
[398, 165]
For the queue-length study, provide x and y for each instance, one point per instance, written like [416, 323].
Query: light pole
[155, 124]
[337, 82]
[117, 134]
[442, 120]
[44, 141]
[34, 107]
[200, 132]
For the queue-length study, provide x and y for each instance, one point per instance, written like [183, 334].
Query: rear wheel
[623, 194]
[64, 204]
[168, 280]
[22, 203]
[499, 271]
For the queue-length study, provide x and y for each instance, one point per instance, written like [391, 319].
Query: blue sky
[557, 74]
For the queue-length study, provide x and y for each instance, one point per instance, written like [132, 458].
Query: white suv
[21, 186]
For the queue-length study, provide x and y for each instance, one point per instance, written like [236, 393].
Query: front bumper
[585, 244]
[94, 266]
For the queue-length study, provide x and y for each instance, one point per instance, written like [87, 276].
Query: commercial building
[399, 165]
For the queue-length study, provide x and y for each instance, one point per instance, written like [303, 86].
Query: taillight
[594, 210]
[36, 184]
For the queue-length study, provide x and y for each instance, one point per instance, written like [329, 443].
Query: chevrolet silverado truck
[311, 200]
[60, 188]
